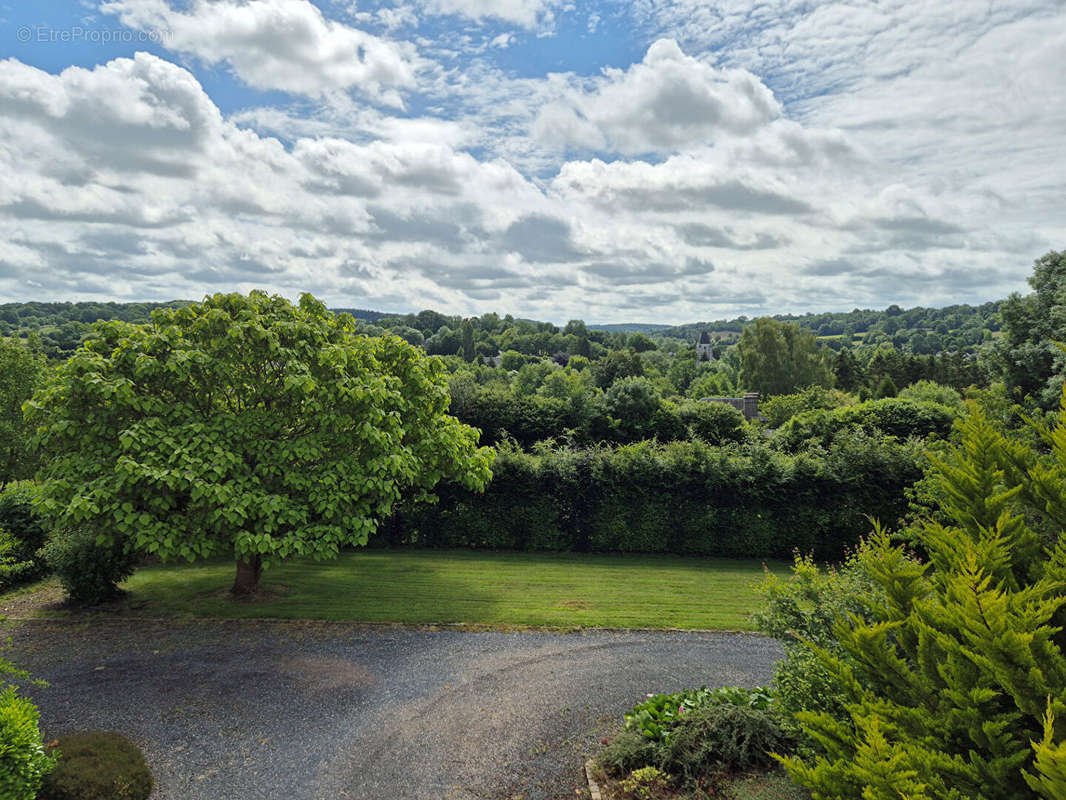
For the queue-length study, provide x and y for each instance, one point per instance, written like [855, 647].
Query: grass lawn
[479, 588]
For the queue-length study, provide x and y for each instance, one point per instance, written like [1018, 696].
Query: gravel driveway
[302, 711]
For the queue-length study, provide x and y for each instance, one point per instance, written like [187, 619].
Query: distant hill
[957, 328]
[363, 314]
[630, 327]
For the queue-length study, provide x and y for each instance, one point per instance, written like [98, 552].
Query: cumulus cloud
[679, 187]
[278, 44]
[667, 101]
[523, 13]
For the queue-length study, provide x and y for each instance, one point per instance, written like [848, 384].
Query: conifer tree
[956, 680]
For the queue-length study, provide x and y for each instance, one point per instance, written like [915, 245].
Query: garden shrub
[98, 766]
[89, 569]
[14, 567]
[22, 533]
[725, 738]
[646, 783]
[629, 750]
[24, 762]
[954, 677]
[801, 611]
[656, 716]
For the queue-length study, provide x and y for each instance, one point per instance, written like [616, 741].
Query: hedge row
[742, 500]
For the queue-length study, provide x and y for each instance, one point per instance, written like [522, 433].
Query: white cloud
[529, 14]
[279, 44]
[668, 101]
[894, 164]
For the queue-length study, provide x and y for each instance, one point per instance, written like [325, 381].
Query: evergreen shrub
[89, 569]
[24, 762]
[98, 765]
[954, 677]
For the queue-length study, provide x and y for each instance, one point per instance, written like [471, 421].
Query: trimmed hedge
[743, 500]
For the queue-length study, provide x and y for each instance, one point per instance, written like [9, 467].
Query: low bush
[646, 783]
[629, 750]
[24, 762]
[98, 766]
[90, 570]
[725, 738]
[654, 718]
[698, 735]
[22, 533]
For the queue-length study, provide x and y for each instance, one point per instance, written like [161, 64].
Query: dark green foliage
[681, 497]
[725, 738]
[630, 407]
[954, 675]
[617, 364]
[21, 372]
[15, 568]
[714, 423]
[22, 533]
[886, 388]
[629, 750]
[527, 419]
[847, 372]
[23, 759]
[639, 343]
[89, 568]
[98, 766]
[892, 416]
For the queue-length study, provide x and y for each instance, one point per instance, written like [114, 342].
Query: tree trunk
[248, 573]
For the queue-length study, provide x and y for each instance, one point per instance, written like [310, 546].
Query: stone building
[748, 405]
[704, 349]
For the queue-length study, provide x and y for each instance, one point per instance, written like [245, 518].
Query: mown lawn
[478, 588]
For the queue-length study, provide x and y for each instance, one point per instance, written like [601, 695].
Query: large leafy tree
[246, 425]
[1031, 362]
[21, 370]
[780, 358]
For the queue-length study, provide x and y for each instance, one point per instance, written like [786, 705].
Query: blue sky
[656, 160]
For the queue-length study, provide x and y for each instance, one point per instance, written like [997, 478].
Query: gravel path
[303, 711]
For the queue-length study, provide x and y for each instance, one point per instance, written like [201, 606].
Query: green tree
[954, 677]
[847, 371]
[1030, 362]
[886, 388]
[468, 351]
[779, 358]
[639, 343]
[21, 371]
[245, 425]
[617, 364]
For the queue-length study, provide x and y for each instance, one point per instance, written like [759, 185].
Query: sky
[639, 161]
